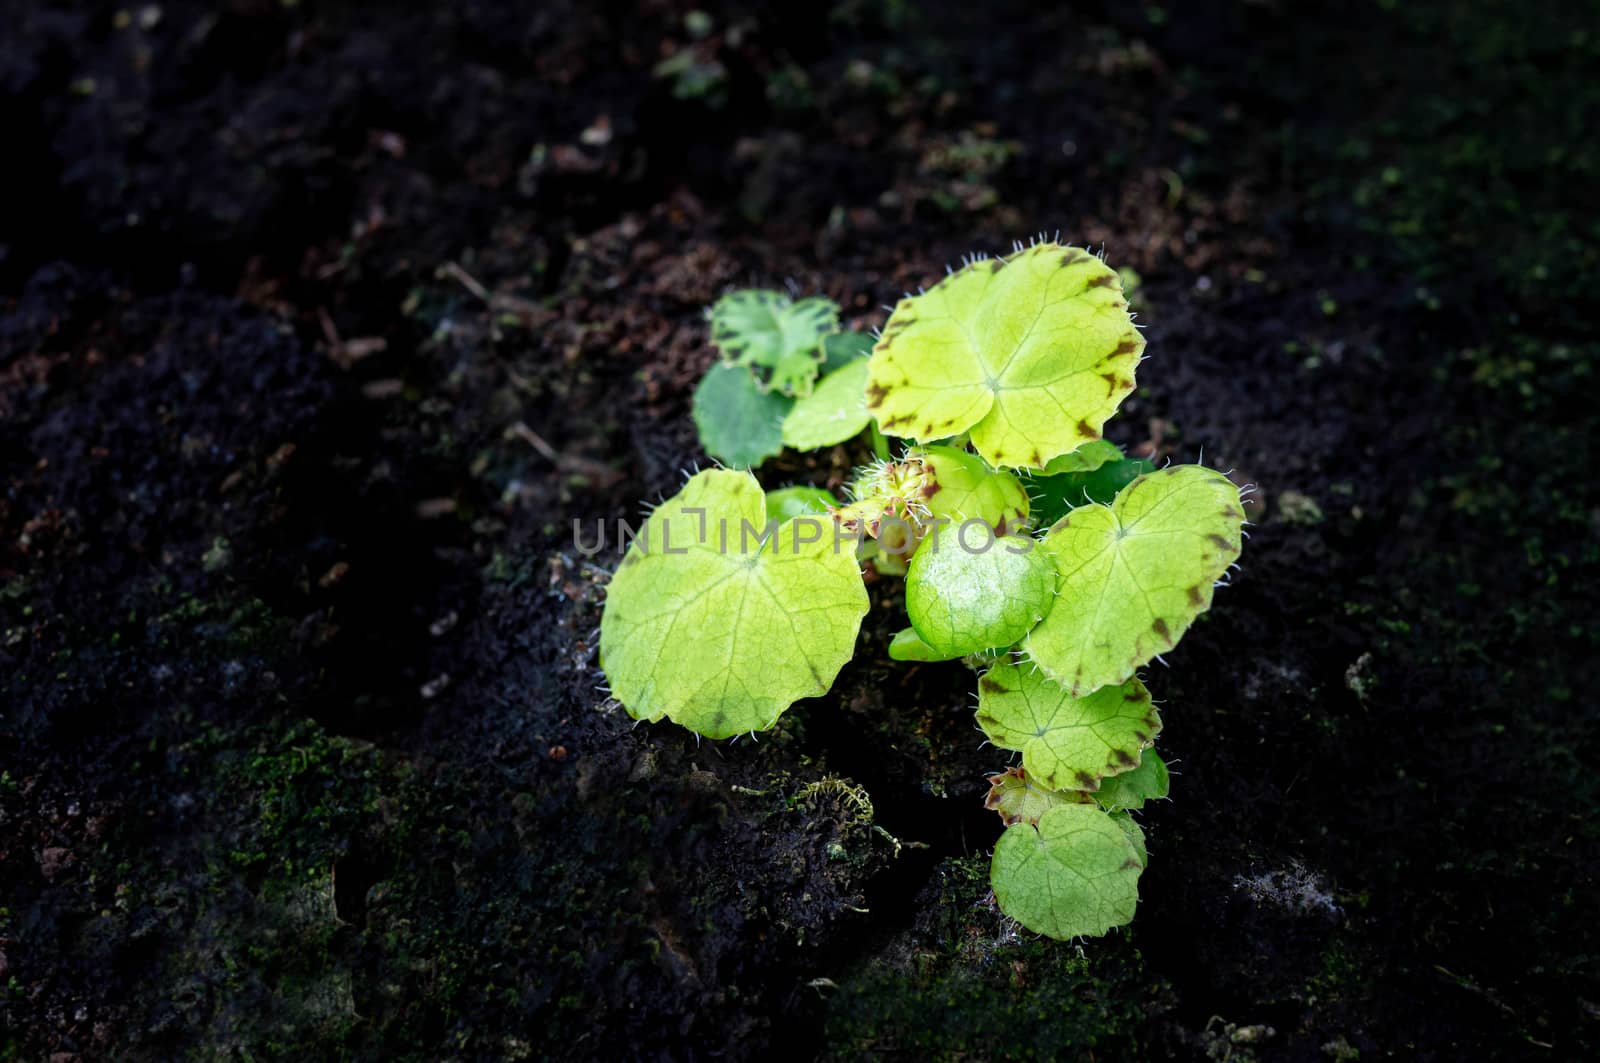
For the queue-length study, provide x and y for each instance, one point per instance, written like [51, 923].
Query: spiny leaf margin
[1132, 576]
[1031, 353]
[1075, 874]
[711, 637]
[1066, 742]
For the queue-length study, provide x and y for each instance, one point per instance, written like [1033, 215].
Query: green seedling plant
[1032, 550]
[787, 376]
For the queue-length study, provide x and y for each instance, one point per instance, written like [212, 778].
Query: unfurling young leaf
[710, 629]
[888, 498]
[1150, 781]
[1132, 576]
[1019, 798]
[832, 413]
[774, 332]
[1030, 354]
[1066, 743]
[964, 597]
[961, 487]
[907, 645]
[1075, 874]
[796, 373]
[739, 424]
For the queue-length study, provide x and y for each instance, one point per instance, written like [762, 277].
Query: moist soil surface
[324, 321]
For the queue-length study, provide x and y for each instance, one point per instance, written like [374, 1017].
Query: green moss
[965, 984]
[312, 790]
[1476, 175]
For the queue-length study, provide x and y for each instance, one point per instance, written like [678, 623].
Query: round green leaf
[1030, 353]
[712, 628]
[962, 487]
[832, 413]
[1074, 874]
[1066, 743]
[739, 424]
[1018, 798]
[966, 593]
[787, 502]
[1132, 576]
[1150, 781]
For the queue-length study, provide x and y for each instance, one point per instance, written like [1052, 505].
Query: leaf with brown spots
[1031, 354]
[1016, 798]
[775, 332]
[1132, 576]
[962, 488]
[1135, 835]
[1150, 781]
[1066, 743]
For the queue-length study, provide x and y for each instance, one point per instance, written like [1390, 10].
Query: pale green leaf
[907, 645]
[832, 413]
[1150, 781]
[970, 593]
[1066, 743]
[786, 502]
[1074, 874]
[963, 488]
[1086, 458]
[1132, 576]
[1030, 353]
[708, 627]
[739, 424]
[770, 329]
[1018, 798]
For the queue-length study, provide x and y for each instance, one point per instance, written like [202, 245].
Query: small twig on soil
[535, 440]
[346, 353]
[596, 472]
[496, 301]
[1472, 987]
[467, 280]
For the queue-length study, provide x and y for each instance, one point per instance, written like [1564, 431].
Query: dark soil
[322, 322]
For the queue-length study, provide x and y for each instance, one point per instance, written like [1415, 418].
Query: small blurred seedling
[786, 377]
